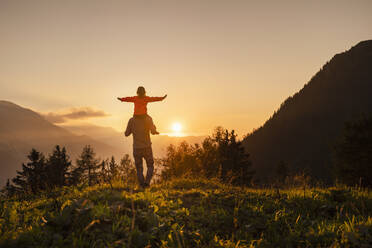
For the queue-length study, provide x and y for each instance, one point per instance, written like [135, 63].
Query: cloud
[74, 114]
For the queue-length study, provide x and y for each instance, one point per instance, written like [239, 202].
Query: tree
[86, 167]
[9, 190]
[221, 155]
[113, 167]
[353, 155]
[126, 169]
[32, 178]
[235, 162]
[58, 165]
[183, 160]
[209, 160]
[281, 171]
[76, 176]
[103, 173]
[109, 171]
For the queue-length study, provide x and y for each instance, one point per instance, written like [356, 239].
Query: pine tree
[87, 165]
[58, 165]
[33, 176]
[111, 172]
[234, 161]
[76, 176]
[9, 190]
[281, 171]
[113, 167]
[103, 172]
[353, 160]
[126, 169]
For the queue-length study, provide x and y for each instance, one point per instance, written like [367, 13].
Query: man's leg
[138, 155]
[150, 164]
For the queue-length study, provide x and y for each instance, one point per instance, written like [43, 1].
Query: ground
[188, 213]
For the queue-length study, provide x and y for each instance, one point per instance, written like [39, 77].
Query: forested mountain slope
[303, 131]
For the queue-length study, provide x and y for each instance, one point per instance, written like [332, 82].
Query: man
[141, 148]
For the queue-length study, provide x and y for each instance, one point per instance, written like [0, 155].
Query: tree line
[351, 154]
[42, 173]
[220, 156]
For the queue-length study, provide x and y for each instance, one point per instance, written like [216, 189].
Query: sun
[176, 127]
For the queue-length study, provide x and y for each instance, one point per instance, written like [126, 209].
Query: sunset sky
[229, 63]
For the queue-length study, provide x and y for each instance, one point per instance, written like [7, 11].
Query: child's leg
[151, 125]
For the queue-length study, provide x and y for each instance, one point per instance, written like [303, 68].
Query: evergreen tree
[208, 157]
[104, 171]
[113, 169]
[234, 161]
[9, 190]
[221, 155]
[353, 160]
[110, 173]
[126, 169]
[33, 176]
[76, 175]
[86, 167]
[58, 165]
[281, 171]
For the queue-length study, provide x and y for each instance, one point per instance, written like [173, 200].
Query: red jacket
[140, 103]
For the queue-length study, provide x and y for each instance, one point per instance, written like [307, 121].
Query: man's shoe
[154, 132]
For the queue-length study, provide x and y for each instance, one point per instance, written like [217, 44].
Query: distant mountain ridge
[22, 129]
[307, 125]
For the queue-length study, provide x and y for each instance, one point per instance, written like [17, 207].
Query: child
[140, 106]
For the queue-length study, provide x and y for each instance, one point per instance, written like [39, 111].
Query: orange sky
[228, 63]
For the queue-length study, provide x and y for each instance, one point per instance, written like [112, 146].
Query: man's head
[141, 92]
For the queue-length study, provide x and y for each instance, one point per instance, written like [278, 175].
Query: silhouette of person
[140, 106]
[141, 148]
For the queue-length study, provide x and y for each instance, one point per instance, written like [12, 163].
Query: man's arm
[127, 99]
[128, 131]
[155, 98]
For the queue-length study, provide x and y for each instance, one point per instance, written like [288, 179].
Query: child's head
[141, 92]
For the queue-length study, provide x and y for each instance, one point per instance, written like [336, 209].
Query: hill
[22, 129]
[303, 131]
[188, 213]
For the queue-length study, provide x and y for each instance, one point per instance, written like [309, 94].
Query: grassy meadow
[188, 213]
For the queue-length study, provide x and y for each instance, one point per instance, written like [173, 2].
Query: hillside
[22, 129]
[188, 213]
[303, 131]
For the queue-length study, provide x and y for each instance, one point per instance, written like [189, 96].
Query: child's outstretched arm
[127, 99]
[156, 98]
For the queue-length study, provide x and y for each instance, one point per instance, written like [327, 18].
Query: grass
[188, 213]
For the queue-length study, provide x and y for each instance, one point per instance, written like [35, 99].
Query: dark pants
[144, 153]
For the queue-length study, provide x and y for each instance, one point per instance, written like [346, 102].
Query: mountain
[304, 130]
[22, 129]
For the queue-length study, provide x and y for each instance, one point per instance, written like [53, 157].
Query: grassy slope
[189, 213]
